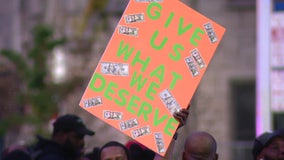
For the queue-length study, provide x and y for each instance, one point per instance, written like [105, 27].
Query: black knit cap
[264, 140]
[71, 122]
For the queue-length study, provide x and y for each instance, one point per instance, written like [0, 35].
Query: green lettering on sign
[159, 72]
[169, 129]
[195, 36]
[138, 81]
[156, 13]
[176, 55]
[161, 45]
[94, 79]
[124, 49]
[145, 109]
[152, 90]
[158, 120]
[176, 77]
[132, 104]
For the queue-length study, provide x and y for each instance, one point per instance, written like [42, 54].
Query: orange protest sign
[150, 69]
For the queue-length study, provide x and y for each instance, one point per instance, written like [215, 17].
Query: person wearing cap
[67, 140]
[269, 146]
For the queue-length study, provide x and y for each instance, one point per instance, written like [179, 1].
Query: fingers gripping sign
[181, 116]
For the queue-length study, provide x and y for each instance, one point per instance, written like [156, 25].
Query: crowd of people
[67, 143]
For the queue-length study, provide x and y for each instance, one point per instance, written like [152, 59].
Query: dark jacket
[46, 149]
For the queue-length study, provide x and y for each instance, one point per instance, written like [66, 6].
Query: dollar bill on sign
[159, 142]
[92, 102]
[169, 101]
[116, 69]
[132, 18]
[197, 57]
[125, 30]
[210, 32]
[128, 124]
[192, 66]
[112, 115]
[141, 132]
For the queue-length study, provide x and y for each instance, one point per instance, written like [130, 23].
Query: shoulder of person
[44, 149]
[50, 157]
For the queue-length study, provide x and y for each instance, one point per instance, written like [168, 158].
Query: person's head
[269, 146]
[114, 150]
[69, 131]
[200, 146]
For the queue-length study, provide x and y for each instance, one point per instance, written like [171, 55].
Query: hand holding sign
[181, 116]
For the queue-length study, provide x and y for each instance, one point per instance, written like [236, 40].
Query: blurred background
[49, 50]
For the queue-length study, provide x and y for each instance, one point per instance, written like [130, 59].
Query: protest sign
[150, 69]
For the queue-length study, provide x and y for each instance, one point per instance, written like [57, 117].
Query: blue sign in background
[278, 5]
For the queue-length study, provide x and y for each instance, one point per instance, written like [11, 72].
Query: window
[243, 112]
[242, 3]
[243, 103]
[278, 120]
[278, 5]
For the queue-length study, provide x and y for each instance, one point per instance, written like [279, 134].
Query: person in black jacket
[17, 154]
[67, 141]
